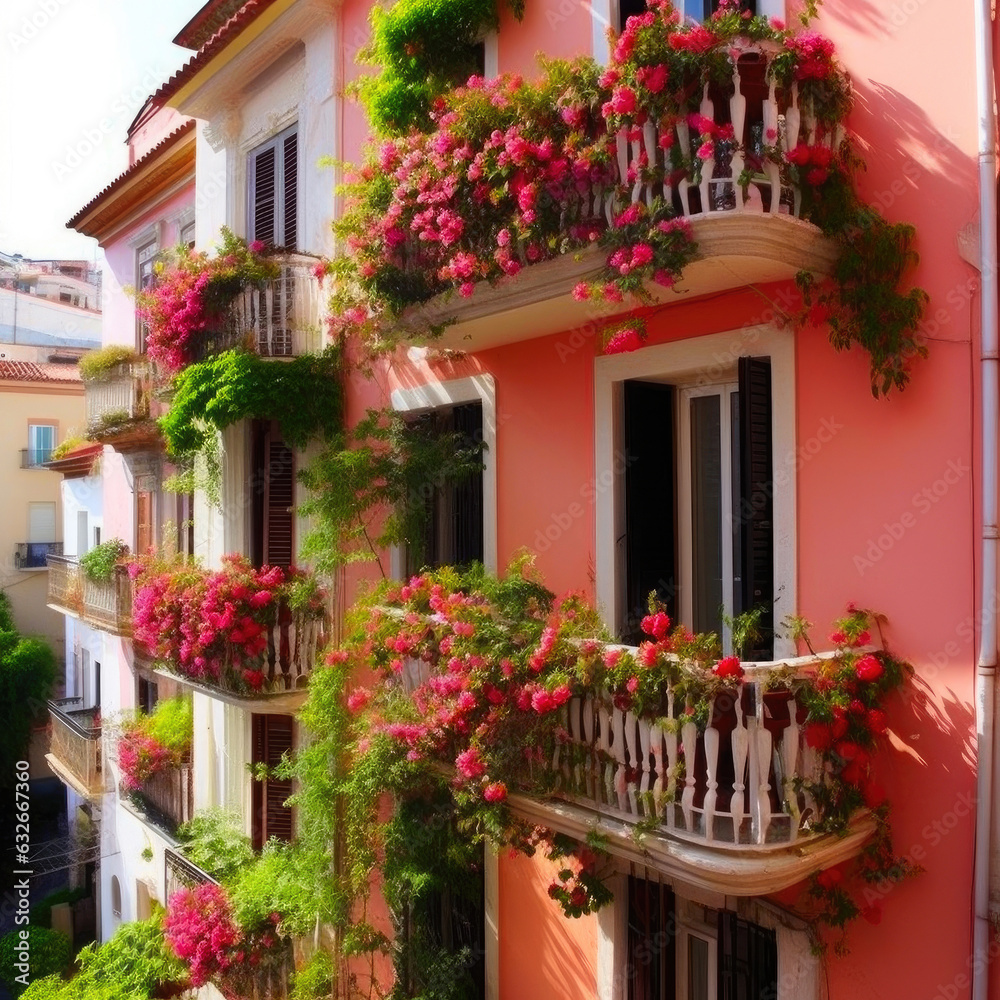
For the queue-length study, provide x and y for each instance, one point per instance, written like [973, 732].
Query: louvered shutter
[272, 737]
[652, 928]
[143, 522]
[747, 960]
[650, 556]
[755, 516]
[263, 187]
[42, 522]
[290, 192]
[467, 495]
[279, 502]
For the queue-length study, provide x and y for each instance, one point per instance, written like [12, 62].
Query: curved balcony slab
[736, 249]
[745, 871]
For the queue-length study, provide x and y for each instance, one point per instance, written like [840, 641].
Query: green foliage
[303, 395]
[214, 840]
[422, 47]
[864, 302]
[48, 952]
[27, 673]
[370, 489]
[67, 445]
[104, 362]
[6, 616]
[171, 724]
[99, 563]
[41, 913]
[314, 980]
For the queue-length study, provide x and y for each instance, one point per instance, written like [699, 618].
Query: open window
[702, 513]
[272, 172]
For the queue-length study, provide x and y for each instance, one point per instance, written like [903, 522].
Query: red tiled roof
[246, 15]
[138, 165]
[29, 371]
[206, 23]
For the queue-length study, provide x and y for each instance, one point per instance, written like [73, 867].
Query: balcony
[121, 395]
[180, 873]
[293, 649]
[281, 318]
[75, 747]
[34, 555]
[105, 605]
[745, 212]
[738, 821]
[35, 458]
[167, 798]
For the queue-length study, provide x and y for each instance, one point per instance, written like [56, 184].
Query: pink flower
[653, 78]
[623, 101]
[868, 668]
[357, 699]
[256, 247]
[470, 764]
[581, 291]
[656, 624]
[496, 791]
[624, 341]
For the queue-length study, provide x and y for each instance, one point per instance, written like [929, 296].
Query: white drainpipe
[986, 668]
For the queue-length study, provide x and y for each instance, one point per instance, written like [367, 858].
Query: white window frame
[704, 360]
[800, 971]
[604, 14]
[435, 396]
[32, 434]
[275, 141]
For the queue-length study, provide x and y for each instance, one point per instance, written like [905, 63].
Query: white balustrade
[749, 762]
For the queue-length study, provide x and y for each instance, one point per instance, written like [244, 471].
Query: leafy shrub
[152, 743]
[67, 445]
[315, 979]
[214, 840]
[48, 952]
[100, 364]
[99, 563]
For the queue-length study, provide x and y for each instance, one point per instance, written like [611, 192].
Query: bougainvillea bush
[215, 625]
[191, 294]
[201, 929]
[474, 674]
[513, 173]
[148, 744]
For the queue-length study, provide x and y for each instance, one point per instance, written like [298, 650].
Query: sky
[74, 74]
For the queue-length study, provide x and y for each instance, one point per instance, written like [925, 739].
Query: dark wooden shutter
[650, 956]
[467, 495]
[143, 522]
[290, 192]
[747, 960]
[272, 737]
[755, 514]
[650, 517]
[279, 501]
[264, 185]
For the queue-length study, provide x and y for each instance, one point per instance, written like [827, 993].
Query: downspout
[990, 373]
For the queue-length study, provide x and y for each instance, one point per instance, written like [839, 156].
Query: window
[82, 533]
[700, 514]
[143, 522]
[272, 738]
[147, 695]
[116, 897]
[41, 441]
[453, 534]
[42, 522]
[187, 236]
[696, 9]
[680, 949]
[272, 539]
[462, 525]
[272, 172]
[145, 258]
[185, 524]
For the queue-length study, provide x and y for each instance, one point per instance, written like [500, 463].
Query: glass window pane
[706, 513]
[697, 968]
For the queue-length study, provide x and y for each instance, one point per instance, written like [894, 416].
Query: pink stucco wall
[886, 505]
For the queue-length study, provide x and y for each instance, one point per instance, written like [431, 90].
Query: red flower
[830, 878]
[819, 736]
[656, 625]
[624, 341]
[876, 721]
[496, 791]
[728, 667]
[868, 668]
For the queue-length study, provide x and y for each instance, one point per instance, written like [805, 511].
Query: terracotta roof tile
[138, 165]
[248, 13]
[28, 371]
